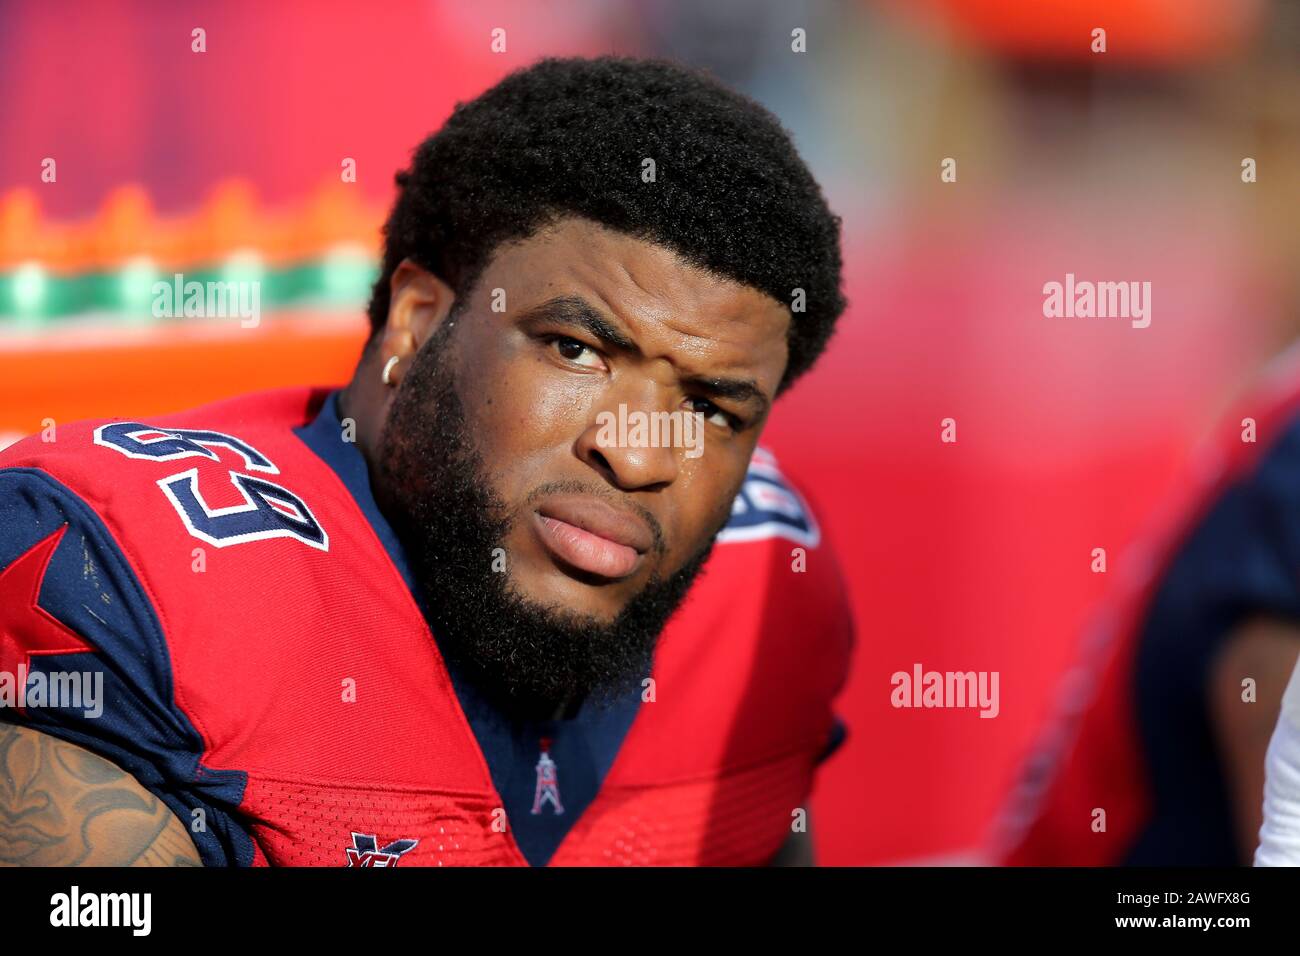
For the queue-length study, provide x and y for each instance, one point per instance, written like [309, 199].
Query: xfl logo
[365, 851]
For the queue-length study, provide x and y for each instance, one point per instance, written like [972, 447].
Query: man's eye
[574, 351]
[712, 413]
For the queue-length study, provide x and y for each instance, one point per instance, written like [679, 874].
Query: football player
[440, 616]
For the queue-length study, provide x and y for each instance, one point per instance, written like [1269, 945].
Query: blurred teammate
[1158, 757]
[425, 619]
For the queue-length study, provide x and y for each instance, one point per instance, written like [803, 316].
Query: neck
[365, 400]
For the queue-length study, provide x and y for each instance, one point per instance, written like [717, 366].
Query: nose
[631, 445]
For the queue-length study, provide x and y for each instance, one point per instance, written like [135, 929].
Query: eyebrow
[581, 314]
[737, 389]
[578, 313]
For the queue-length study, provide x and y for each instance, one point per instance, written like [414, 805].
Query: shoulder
[762, 643]
[775, 549]
[773, 588]
[101, 523]
[69, 593]
[1234, 542]
[769, 507]
[218, 467]
[84, 657]
[100, 449]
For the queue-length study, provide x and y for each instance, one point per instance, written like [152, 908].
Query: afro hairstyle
[568, 137]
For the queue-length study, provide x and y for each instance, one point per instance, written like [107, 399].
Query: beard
[529, 658]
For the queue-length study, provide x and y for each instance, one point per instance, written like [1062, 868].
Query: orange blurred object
[231, 219]
[1156, 32]
[124, 372]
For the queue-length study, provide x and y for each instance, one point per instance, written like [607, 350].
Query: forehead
[662, 300]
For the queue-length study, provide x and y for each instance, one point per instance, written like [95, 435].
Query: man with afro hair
[526, 590]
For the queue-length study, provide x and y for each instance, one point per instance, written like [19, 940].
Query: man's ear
[419, 302]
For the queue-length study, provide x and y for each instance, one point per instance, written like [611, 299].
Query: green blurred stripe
[341, 281]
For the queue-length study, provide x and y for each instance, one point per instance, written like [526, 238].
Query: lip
[591, 536]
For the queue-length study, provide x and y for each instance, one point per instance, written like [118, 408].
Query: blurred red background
[965, 556]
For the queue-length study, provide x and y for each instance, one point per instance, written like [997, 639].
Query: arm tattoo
[61, 805]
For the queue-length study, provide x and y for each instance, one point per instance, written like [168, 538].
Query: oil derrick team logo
[365, 851]
[548, 782]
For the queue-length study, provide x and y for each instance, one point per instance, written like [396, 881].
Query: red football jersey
[268, 673]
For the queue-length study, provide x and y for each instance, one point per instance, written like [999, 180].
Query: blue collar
[324, 436]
